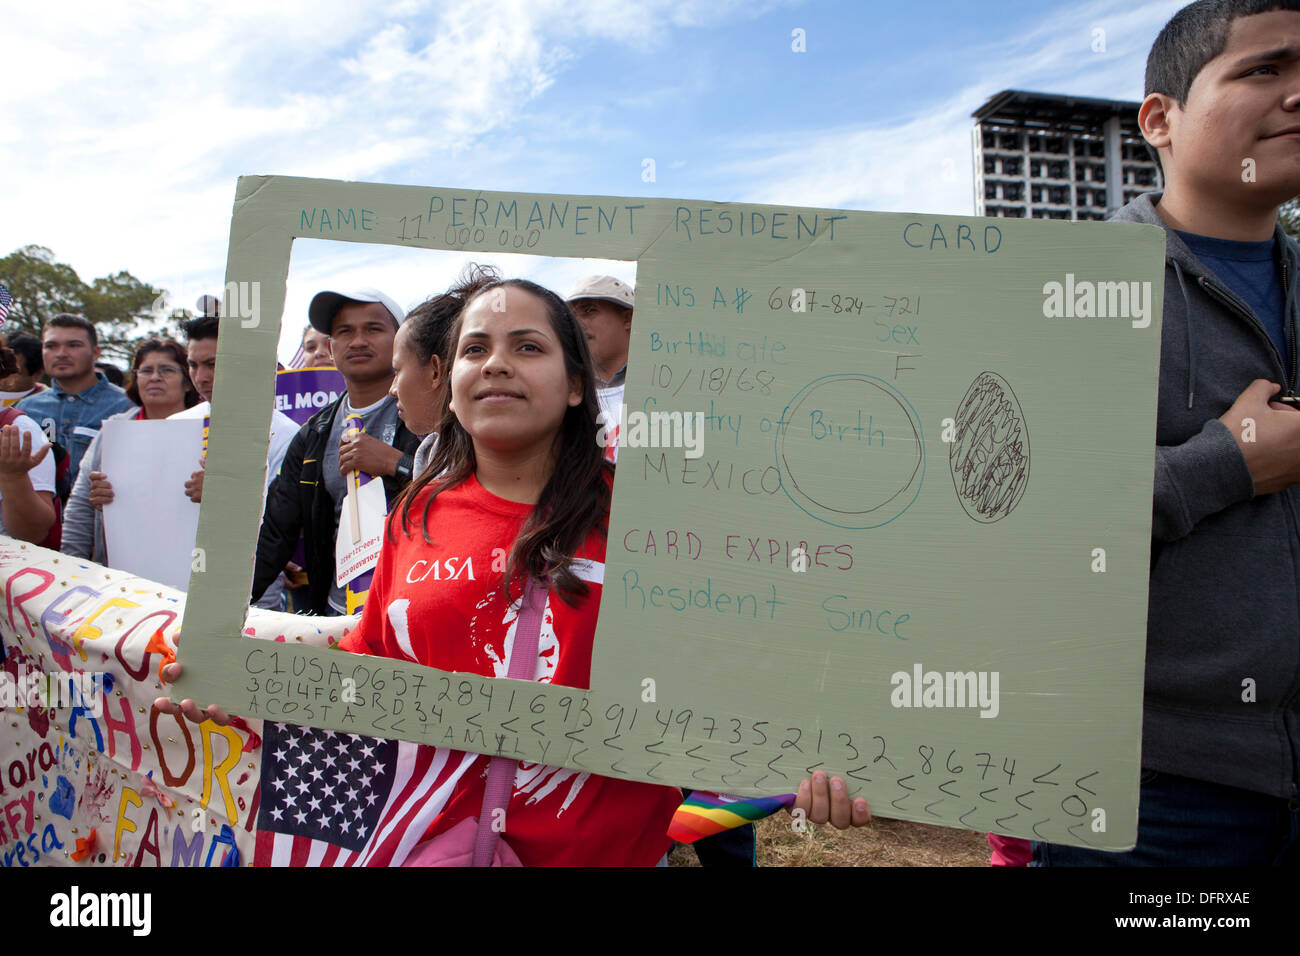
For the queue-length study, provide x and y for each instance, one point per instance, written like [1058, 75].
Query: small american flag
[335, 799]
[6, 300]
[299, 359]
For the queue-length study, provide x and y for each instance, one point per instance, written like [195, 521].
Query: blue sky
[124, 127]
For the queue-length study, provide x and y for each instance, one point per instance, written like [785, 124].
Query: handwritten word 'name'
[342, 220]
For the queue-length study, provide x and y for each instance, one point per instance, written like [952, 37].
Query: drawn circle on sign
[851, 451]
[989, 456]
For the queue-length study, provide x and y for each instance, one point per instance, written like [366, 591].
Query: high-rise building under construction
[1048, 156]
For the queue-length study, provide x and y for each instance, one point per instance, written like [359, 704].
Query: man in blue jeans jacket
[80, 397]
[1221, 729]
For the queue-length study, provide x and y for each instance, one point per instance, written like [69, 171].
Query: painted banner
[90, 773]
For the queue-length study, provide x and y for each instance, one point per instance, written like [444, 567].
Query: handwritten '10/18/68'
[716, 379]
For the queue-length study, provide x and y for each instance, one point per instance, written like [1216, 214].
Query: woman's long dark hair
[168, 347]
[576, 498]
[429, 324]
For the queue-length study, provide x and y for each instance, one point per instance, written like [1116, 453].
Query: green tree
[42, 288]
[1289, 215]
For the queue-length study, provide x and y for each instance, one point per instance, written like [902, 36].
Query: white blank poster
[150, 526]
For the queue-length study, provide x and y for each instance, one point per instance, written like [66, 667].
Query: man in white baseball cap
[307, 497]
[361, 324]
[325, 305]
[603, 306]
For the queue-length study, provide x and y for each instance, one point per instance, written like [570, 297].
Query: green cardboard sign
[882, 506]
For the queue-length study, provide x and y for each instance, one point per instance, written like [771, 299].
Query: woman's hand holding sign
[170, 673]
[822, 801]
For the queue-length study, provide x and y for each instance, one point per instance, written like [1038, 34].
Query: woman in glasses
[161, 387]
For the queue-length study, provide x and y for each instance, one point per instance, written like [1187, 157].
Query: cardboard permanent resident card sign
[882, 504]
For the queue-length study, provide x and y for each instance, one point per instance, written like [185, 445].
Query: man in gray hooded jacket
[1221, 730]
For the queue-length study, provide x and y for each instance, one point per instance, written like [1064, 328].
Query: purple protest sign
[301, 393]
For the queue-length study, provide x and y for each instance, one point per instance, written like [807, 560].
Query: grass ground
[883, 843]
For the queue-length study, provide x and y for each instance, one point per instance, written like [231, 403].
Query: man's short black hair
[28, 347]
[430, 322]
[66, 320]
[1193, 37]
[202, 327]
[113, 374]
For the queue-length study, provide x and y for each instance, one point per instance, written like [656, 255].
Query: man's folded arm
[1202, 476]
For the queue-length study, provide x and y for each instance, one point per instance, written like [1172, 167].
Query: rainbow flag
[703, 814]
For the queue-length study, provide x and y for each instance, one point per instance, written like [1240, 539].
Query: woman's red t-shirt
[442, 605]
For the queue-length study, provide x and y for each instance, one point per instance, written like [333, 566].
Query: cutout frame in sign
[965, 672]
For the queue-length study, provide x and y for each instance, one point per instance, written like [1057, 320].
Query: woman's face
[160, 381]
[416, 387]
[509, 387]
[316, 349]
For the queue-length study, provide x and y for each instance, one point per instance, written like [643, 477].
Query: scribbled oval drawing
[850, 451]
[989, 457]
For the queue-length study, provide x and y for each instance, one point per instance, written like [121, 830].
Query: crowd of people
[477, 410]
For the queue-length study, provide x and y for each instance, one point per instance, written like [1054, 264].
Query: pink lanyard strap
[501, 771]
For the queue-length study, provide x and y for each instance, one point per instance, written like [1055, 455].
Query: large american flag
[6, 300]
[334, 799]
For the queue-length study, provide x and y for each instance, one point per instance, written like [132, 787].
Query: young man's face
[1239, 131]
[67, 353]
[362, 341]
[203, 366]
[608, 329]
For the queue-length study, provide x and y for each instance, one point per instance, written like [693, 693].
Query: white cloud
[124, 127]
[127, 125]
[925, 164]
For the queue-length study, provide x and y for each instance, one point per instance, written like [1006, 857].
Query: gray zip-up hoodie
[1223, 625]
